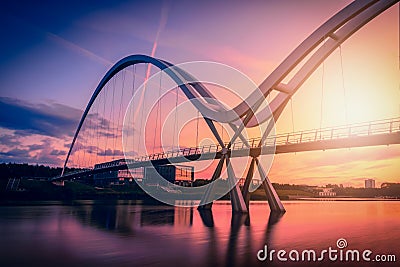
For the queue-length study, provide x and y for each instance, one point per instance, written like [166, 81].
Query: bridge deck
[368, 134]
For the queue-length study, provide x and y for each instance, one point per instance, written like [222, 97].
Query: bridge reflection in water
[122, 233]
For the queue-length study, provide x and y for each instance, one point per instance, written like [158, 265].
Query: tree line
[19, 170]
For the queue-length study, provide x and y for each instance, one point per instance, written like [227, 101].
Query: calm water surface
[122, 233]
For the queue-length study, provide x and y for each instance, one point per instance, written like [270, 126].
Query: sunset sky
[54, 55]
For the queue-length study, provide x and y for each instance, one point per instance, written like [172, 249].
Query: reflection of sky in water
[112, 234]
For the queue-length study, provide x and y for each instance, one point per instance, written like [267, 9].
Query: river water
[127, 233]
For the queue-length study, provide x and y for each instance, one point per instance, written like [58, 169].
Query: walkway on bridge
[383, 132]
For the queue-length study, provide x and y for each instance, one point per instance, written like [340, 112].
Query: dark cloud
[16, 152]
[97, 126]
[106, 134]
[56, 152]
[36, 147]
[16, 155]
[47, 154]
[43, 153]
[9, 140]
[47, 159]
[91, 149]
[51, 119]
[55, 123]
[46, 145]
[110, 152]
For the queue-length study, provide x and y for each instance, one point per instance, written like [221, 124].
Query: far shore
[33, 190]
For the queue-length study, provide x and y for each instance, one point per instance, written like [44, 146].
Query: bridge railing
[347, 131]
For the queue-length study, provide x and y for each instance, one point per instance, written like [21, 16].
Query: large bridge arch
[307, 57]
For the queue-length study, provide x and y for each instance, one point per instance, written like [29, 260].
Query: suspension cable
[322, 89]
[77, 155]
[84, 149]
[119, 111]
[176, 118]
[197, 128]
[86, 141]
[159, 122]
[109, 117]
[143, 107]
[104, 122]
[133, 105]
[291, 109]
[322, 94]
[91, 141]
[133, 79]
[98, 121]
[344, 88]
[222, 132]
[157, 111]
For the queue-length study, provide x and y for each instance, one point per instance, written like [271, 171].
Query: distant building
[117, 176]
[369, 183]
[256, 182]
[327, 192]
[176, 174]
[390, 185]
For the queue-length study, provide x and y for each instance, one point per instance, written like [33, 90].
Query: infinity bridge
[383, 132]
[99, 131]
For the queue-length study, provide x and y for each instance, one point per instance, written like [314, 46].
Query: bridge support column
[249, 177]
[206, 202]
[237, 201]
[274, 202]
